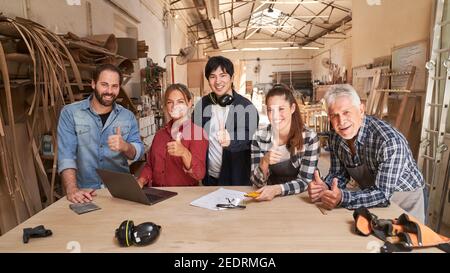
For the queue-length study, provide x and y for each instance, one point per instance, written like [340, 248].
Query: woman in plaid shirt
[285, 153]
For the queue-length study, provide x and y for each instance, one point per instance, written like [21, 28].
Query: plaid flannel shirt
[388, 158]
[306, 160]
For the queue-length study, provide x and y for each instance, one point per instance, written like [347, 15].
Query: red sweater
[163, 170]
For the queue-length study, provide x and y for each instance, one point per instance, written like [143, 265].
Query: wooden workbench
[283, 225]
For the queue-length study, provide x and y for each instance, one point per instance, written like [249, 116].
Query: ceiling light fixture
[230, 50]
[73, 2]
[268, 48]
[268, 42]
[250, 49]
[291, 2]
[259, 48]
[309, 16]
[270, 26]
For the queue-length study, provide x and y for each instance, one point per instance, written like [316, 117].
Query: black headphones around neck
[223, 101]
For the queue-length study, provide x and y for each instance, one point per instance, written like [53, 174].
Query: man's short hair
[216, 62]
[342, 90]
[106, 67]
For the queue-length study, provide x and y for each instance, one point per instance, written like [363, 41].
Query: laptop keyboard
[152, 196]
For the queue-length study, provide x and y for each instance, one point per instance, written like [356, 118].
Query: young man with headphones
[230, 120]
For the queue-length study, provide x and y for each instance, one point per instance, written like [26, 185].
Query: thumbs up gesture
[116, 142]
[176, 148]
[332, 198]
[316, 187]
[223, 136]
[273, 156]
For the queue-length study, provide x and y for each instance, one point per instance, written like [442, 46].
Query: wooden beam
[122, 10]
[346, 19]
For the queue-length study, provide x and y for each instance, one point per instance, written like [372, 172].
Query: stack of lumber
[40, 73]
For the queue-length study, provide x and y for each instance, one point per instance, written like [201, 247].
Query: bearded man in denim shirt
[96, 133]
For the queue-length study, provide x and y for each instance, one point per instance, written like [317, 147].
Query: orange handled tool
[253, 194]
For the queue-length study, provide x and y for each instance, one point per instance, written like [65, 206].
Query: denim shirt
[83, 141]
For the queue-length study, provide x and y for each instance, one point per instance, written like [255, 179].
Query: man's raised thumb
[334, 185]
[317, 178]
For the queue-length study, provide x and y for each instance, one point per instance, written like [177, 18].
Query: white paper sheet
[219, 196]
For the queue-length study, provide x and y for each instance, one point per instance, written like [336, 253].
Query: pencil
[322, 210]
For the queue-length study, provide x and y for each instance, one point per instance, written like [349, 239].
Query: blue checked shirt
[83, 141]
[388, 158]
[306, 160]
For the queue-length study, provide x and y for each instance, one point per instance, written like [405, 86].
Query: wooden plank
[405, 118]
[7, 29]
[89, 47]
[27, 163]
[19, 174]
[2, 130]
[8, 215]
[40, 169]
[195, 70]
[127, 102]
[7, 210]
[371, 86]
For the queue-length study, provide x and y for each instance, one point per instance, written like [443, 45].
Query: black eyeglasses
[231, 204]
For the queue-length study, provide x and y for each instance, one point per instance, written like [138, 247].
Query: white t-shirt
[285, 154]
[218, 114]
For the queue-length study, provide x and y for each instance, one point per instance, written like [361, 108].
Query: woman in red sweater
[177, 156]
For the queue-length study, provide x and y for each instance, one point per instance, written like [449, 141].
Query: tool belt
[402, 234]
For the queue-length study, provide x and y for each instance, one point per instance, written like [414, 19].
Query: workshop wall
[338, 51]
[141, 19]
[379, 28]
[282, 60]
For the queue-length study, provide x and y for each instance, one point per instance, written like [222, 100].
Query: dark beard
[100, 99]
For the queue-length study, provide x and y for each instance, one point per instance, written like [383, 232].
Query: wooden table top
[283, 225]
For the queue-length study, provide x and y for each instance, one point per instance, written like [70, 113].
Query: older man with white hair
[373, 153]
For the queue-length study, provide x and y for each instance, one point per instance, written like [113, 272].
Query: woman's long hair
[295, 137]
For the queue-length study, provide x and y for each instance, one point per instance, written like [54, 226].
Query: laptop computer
[125, 186]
